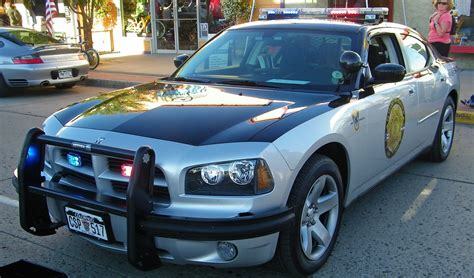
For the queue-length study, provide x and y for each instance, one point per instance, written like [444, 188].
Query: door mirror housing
[180, 59]
[350, 61]
[2, 44]
[388, 73]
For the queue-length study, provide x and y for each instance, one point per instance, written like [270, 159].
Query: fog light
[226, 250]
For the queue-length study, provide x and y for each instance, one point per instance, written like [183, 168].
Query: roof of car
[320, 24]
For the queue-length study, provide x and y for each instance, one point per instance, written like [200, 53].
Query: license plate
[62, 74]
[86, 223]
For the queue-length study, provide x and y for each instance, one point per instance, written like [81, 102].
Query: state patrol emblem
[394, 127]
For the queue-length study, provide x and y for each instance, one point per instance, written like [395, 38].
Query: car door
[420, 64]
[392, 111]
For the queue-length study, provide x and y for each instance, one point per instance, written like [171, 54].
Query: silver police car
[29, 58]
[249, 152]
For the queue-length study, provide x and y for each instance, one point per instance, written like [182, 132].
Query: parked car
[249, 152]
[29, 58]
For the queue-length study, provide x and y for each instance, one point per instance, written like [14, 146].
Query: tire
[93, 58]
[444, 137]
[317, 197]
[65, 85]
[4, 88]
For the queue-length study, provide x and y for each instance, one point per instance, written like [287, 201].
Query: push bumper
[142, 224]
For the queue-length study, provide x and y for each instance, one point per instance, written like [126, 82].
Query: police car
[251, 150]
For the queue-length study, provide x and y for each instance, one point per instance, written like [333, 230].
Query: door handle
[442, 79]
[411, 92]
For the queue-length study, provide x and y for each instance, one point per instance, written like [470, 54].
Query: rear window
[24, 37]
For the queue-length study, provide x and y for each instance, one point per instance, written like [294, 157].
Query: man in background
[13, 14]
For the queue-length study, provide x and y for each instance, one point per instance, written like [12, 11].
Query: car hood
[198, 114]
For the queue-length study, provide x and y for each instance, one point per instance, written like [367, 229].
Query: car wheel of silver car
[65, 85]
[4, 89]
[317, 198]
[445, 132]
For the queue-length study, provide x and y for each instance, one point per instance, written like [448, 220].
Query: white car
[249, 152]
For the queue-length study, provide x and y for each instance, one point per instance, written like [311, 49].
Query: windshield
[23, 37]
[287, 59]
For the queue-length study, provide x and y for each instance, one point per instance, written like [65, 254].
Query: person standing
[440, 26]
[13, 14]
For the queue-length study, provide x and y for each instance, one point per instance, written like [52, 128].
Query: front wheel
[317, 197]
[445, 133]
[93, 58]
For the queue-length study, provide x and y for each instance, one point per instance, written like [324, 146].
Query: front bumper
[142, 224]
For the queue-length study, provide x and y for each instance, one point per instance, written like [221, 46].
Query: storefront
[180, 25]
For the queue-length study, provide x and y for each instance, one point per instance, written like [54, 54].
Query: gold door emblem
[394, 127]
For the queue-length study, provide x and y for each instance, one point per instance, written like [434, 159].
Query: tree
[236, 11]
[85, 9]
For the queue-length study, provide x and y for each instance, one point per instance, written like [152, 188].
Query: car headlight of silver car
[233, 178]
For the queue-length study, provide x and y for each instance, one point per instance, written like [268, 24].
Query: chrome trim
[429, 116]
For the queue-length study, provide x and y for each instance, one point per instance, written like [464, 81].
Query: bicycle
[139, 25]
[91, 54]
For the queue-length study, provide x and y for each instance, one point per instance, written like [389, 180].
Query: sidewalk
[120, 71]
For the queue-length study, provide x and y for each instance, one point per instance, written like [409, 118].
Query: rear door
[421, 65]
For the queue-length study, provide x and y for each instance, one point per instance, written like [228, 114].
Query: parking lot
[418, 222]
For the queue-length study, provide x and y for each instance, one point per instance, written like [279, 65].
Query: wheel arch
[338, 153]
[455, 95]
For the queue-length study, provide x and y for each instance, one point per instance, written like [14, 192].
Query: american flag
[51, 11]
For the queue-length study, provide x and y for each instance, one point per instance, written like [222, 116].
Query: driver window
[381, 50]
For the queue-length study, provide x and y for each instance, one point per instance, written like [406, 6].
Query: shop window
[463, 40]
[211, 13]
[137, 17]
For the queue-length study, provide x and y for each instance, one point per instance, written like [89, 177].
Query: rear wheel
[4, 88]
[93, 58]
[445, 132]
[317, 197]
[65, 85]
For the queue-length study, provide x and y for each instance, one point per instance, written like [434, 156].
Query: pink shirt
[446, 37]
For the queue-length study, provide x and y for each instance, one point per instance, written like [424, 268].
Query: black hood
[198, 114]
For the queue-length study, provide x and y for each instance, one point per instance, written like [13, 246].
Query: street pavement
[418, 222]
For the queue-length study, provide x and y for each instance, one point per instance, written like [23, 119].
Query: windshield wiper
[179, 78]
[245, 83]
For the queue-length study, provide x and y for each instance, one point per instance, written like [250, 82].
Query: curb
[465, 117]
[112, 84]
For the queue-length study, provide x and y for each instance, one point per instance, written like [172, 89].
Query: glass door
[187, 32]
[165, 26]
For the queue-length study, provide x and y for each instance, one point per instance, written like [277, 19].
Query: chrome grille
[100, 174]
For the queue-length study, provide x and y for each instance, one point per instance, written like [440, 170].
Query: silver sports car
[249, 152]
[29, 58]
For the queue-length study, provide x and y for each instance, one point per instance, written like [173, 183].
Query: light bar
[367, 15]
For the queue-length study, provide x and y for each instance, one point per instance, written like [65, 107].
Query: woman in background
[440, 26]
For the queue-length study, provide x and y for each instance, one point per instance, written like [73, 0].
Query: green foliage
[236, 10]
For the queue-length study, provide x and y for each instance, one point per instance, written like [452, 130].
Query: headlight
[234, 178]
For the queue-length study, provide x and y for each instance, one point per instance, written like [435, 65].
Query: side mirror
[350, 61]
[388, 73]
[180, 59]
[2, 44]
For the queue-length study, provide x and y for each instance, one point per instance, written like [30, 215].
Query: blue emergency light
[74, 159]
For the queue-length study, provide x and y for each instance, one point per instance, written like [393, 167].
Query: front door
[175, 27]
